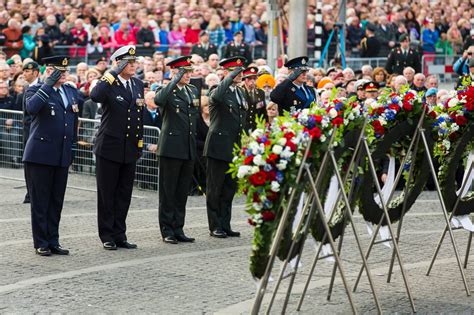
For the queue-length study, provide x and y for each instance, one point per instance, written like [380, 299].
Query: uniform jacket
[256, 106]
[179, 109]
[396, 61]
[120, 135]
[53, 128]
[234, 50]
[288, 96]
[228, 119]
[199, 49]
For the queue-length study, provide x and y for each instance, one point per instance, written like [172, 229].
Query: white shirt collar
[124, 82]
[34, 82]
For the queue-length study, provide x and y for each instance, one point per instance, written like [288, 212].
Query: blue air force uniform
[49, 152]
[118, 146]
[290, 96]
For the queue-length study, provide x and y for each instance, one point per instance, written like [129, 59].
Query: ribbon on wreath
[464, 221]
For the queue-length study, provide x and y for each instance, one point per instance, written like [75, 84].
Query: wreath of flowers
[454, 132]
[393, 119]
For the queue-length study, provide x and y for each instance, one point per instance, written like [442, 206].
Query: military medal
[140, 144]
[196, 102]
[140, 102]
[52, 111]
[75, 108]
[177, 109]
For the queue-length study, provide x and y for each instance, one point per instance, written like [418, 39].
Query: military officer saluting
[402, 57]
[204, 48]
[227, 108]
[237, 48]
[293, 93]
[118, 145]
[254, 96]
[54, 108]
[178, 103]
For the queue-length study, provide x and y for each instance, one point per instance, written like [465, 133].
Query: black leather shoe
[231, 233]
[58, 250]
[110, 246]
[170, 240]
[43, 251]
[218, 234]
[185, 239]
[126, 244]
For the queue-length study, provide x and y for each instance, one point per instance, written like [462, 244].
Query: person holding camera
[179, 109]
[461, 66]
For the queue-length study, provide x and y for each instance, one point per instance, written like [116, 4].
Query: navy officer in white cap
[54, 108]
[118, 145]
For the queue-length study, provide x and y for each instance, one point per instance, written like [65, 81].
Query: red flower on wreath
[337, 121]
[248, 160]
[318, 118]
[272, 158]
[250, 221]
[256, 197]
[315, 133]
[292, 146]
[378, 128]
[407, 106]
[258, 179]
[272, 196]
[394, 107]
[460, 120]
[289, 135]
[268, 216]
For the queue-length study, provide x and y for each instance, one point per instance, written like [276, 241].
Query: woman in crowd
[380, 76]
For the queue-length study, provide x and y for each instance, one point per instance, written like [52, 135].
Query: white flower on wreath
[277, 149]
[254, 147]
[281, 142]
[298, 161]
[257, 133]
[282, 165]
[275, 186]
[255, 169]
[257, 160]
[382, 120]
[453, 102]
[243, 171]
[325, 121]
[447, 144]
[454, 127]
[322, 138]
[351, 116]
[257, 206]
[332, 113]
[286, 154]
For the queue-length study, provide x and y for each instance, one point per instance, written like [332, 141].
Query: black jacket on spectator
[53, 32]
[204, 52]
[369, 47]
[397, 61]
[148, 119]
[7, 103]
[234, 50]
[354, 36]
[145, 35]
[90, 109]
[384, 36]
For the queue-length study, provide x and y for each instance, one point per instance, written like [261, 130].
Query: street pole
[273, 34]
[298, 32]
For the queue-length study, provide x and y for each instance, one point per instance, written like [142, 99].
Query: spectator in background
[367, 72]
[125, 34]
[13, 38]
[237, 48]
[229, 35]
[213, 61]
[163, 37]
[81, 70]
[402, 57]
[443, 45]
[216, 32]
[105, 39]
[461, 66]
[235, 23]
[419, 82]
[355, 33]
[204, 48]
[399, 82]
[176, 40]
[78, 37]
[370, 45]
[248, 30]
[146, 38]
[380, 76]
[432, 81]
[429, 38]
[454, 37]
[28, 42]
[409, 74]
[52, 29]
[33, 22]
[386, 35]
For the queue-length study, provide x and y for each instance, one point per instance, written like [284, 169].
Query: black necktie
[129, 88]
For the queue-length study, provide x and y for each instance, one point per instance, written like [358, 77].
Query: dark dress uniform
[227, 109]
[179, 108]
[236, 50]
[49, 153]
[397, 60]
[118, 145]
[255, 100]
[204, 50]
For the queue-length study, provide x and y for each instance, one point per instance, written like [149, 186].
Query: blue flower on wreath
[442, 131]
[248, 152]
[279, 176]
[390, 115]
[338, 106]
[311, 122]
[395, 100]
[406, 166]
[267, 167]
[267, 204]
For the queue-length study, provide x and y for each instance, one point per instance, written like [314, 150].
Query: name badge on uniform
[119, 98]
[140, 102]
[140, 144]
[75, 108]
[177, 109]
[295, 102]
[196, 102]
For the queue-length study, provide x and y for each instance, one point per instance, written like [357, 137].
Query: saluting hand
[236, 72]
[180, 74]
[295, 74]
[53, 78]
[119, 67]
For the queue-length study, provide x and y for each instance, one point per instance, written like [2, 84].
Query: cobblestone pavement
[211, 275]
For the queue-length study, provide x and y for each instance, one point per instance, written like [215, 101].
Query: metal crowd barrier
[11, 148]
[440, 65]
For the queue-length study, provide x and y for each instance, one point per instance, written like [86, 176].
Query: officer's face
[250, 82]
[302, 78]
[30, 75]
[130, 69]
[63, 77]
[237, 79]
[186, 78]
